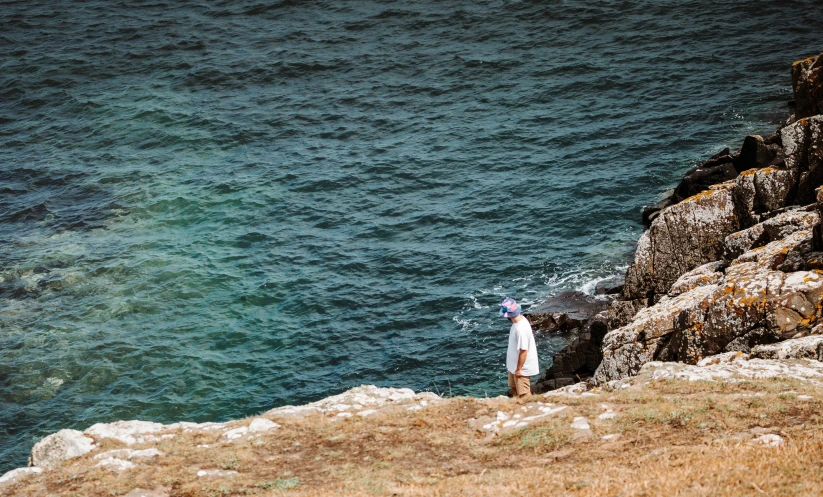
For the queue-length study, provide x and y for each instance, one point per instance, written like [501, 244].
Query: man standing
[521, 358]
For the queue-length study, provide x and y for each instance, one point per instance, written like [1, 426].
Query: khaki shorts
[520, 385]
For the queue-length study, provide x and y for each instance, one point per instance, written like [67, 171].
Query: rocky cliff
[733, 258]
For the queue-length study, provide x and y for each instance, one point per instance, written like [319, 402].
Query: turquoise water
[211, 209]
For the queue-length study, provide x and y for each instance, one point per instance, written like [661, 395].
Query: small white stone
[142, 455]
[114, 464]
[117, 454]
[367, 412]
[344, 415]
[203, 446]
[611, 436]
[580, 423]
[770, 440]
[511, 422]
[804, 397]
[236, 433]
[502, 416]
[262, 425]
[608, 415]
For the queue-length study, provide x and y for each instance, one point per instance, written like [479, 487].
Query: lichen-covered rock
[767, 285]
[621, 312]
[772, 229]
[807, 83]
[780, 254]
[735, 367]
[707, 274]
[683, 237]
[626, 349]
[754, 302]
[775, 187]
[59, 447]
[803, 150]
[795, 139]
[810, 347]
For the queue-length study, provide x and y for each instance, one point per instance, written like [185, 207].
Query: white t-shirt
[522, 338]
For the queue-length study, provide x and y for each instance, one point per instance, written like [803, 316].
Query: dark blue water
[211, 209]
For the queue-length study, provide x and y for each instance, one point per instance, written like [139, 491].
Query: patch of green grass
[230, 463]
[549, 437]
[280, 484]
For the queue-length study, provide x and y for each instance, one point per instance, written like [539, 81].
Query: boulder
[59, 447]
[610, 286]
[756, 337]
[803, 150]
[811, 179]
[683, 237]
[810, 347]
[757, 192]
[775, 188]
[756, 153]
[621, 312]
[578, 360]
[756, 300]
[566, 311]
[774, 228]
[702, 177]
[807, 83]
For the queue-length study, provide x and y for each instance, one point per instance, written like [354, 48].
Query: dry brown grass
[676, 438]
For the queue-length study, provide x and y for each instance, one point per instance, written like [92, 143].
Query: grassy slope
[676, 438]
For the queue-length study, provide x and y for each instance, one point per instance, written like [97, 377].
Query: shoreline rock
[731, 261]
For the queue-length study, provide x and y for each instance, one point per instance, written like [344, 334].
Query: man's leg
[524, 386]
[512, 384]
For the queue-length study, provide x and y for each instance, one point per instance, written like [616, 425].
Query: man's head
[509, 308]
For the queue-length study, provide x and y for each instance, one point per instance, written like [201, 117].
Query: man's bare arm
[521, 360]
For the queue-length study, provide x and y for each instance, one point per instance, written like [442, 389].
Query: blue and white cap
[509, 308]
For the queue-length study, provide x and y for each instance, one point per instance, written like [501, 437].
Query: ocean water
[209, 209]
